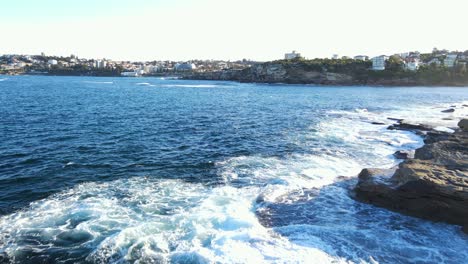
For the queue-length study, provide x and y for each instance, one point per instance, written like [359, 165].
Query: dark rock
[450, 110]
[378, 123]
[463, 124]
[433, 185]
[402, 125]
[403, 154]
[370, 173]
[395, 119]
[464, 105]
[434, 136]
[447, 118]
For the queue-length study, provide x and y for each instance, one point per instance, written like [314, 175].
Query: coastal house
[361, 57]
[412, 64]
[378, 63]
[435, 61]
[292, 55]
[450, 60]
[100, 64]
[185, 67]
[52, 62]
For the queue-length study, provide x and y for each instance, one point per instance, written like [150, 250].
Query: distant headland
[438, 68]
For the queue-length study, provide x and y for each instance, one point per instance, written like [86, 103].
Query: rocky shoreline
[433, 185]
[297, 73]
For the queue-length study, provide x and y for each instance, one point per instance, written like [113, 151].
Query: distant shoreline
[204, 77]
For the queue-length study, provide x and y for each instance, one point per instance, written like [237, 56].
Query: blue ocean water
[125, 170]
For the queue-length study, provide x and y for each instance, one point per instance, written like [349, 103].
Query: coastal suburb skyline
[261, 30]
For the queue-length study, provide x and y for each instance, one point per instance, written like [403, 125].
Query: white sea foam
[143, 219]
[145, 84]
[3, 79]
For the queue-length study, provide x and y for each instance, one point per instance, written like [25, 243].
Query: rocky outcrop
[404, 154]
[463, 124]
[325, 73]
[433, 185]
[450, 110]
[403, 125]
[277, 73]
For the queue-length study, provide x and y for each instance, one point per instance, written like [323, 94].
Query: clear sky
[229, 29]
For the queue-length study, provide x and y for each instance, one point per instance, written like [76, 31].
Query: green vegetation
[395, 70]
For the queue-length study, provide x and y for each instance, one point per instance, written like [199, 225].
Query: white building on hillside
[185, 67]
[435, 61]
[450, 60]
[100, 64]
[292, 55]
[378, 63]
[361, 57]
[412, 64]
[52, 62]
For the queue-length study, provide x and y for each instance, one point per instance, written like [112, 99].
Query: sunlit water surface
[122, 170]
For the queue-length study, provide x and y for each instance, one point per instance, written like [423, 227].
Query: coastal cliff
[276, 73]
[335, 72]
[433, 185]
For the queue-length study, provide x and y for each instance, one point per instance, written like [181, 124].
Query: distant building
[435, 61]
[450, 60]
[292, 55]
[185, 67]
[361, 57]
[150, 68]
[52, 62]
[335, 56]
[412, 64]
[378, 63]
[100, 64]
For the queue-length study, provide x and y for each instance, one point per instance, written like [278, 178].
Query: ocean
[153, 170]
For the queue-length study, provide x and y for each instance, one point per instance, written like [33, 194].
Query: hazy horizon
[146, 30]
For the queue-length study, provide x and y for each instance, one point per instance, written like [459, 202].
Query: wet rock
[463, 125]
[433, 185]
[378, 123]
[402, 125]
[435, 136]
[403, 154]
[450, 110]
[373, 173]
[395, 119]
